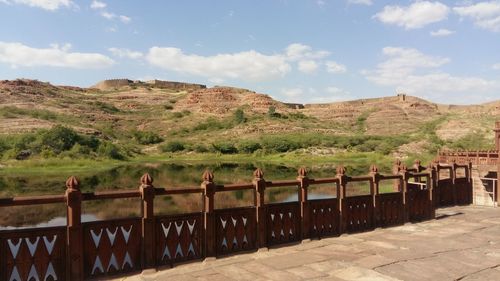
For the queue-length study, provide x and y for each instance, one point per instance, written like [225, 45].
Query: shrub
[271, 112]
[249, 146]
[168, 107]
[147, 137]
[177, 114]
[59, 138]
[172, 146]
[239, 116]
[109, 150]
[200, 148]
[278, 144]
[212, 124]
[225, 148]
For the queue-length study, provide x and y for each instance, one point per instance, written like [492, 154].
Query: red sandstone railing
[477, 157]
[97, 249]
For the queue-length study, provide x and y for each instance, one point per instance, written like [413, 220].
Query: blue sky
[306, 51]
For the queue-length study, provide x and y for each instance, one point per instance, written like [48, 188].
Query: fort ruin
[111, 84]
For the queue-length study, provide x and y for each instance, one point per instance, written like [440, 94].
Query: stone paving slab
[462, 244]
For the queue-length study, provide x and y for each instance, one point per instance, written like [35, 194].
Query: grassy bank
[53, 166]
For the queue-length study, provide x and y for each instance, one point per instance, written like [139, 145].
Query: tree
[239, 116]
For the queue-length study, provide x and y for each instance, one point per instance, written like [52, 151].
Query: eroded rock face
[222, 100]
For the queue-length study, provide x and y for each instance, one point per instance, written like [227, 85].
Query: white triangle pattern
[14, 248]
[191, 226]
[112, 235]
[33, 275]
[126, 233]
[97, 265]
[49, 245]
[191, 249]
[127, 260]
[113, 262]
[50, 272]
[178, 251]
[179, 228]
[32, 246]
[96, 237]
[166, 253]
[14, 276]
[166, 230]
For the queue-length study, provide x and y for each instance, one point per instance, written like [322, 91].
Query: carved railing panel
[444, 193]
[390, 206]
[235, 230]
[419, 204]
[33, 254]
[283, 223]
[357, 212]
[111, 247]
[463, 189]
[179, 238]
[324, 217]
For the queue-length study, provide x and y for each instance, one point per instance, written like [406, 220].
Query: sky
[304, 51]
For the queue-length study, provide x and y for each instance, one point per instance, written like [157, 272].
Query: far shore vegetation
[62, 149]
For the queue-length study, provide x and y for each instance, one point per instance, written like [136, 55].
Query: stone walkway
[463, 243]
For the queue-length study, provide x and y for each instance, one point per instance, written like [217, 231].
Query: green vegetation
[57, 141]
[239, 116]
[146, 137]
[472, 141]
[15, 112]
[173, 146]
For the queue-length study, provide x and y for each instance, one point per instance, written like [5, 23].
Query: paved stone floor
[463, 243]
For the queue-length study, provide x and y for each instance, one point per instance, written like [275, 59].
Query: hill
[154, 114]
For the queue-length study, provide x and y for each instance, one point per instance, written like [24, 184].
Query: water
[165, 175]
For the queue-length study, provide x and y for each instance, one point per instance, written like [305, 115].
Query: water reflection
[166, 175]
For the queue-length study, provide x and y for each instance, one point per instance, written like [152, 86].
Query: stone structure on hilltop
[111, 84]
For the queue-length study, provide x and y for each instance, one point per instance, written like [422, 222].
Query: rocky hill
[114, 108]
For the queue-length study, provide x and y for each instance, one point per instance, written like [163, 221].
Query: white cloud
[97, 5]
[112, 16]
[50, 5]
[125, 19]
[297, 51]
[248, 65]
[334, 67]
[417, 15]
[307, 66]
[441, 33]
[360, 2]
[484, 14]
[496, 66]
[125, 53]
[18, 54]
[411, 71]
[293, 92]
[335, 94]
[108, 15]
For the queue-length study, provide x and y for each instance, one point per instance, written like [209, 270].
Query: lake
[166, 175]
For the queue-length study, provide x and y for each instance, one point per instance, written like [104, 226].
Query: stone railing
[89, 250]
[477, 157]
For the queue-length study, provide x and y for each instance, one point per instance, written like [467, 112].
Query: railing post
[431, 182]
[396, 168]
[453, 175]
[148, 222]
[74, 232]
[208, 213]
[343, 179]
[304, 204]
[260, 207]
[406, 203]
[374, 191]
